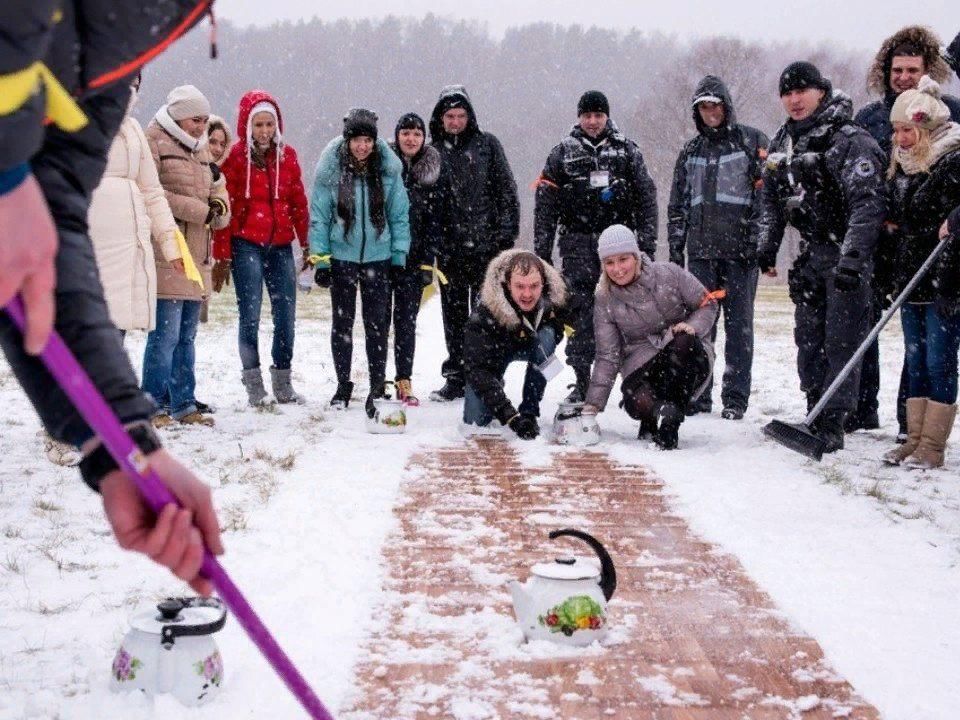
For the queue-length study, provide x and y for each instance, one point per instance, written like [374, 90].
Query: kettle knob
[170, 609]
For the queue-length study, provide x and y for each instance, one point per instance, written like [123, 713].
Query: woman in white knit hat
[652, 322]
[924, 188]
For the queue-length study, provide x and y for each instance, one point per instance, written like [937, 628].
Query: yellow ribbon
[436, 273]
[568, 331]
[18, 87]
[189, 266]
[315, 258]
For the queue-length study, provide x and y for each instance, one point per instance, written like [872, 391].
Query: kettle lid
[197, 616]
[568, 568]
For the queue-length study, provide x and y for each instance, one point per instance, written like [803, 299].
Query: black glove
[322, 277]
[215, 171]
[947, 307]
[525, 426]
[218, 208]
[846, 276]
[396, 273]
[766, 258]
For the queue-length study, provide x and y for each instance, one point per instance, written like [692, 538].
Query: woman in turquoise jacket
[359, 226]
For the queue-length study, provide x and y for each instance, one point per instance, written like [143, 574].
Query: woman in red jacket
[269, 213]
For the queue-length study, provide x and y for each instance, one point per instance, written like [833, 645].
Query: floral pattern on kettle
[211, 669]
[125, 666]
[580, 612]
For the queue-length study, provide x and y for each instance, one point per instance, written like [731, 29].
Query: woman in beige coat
[178, 140]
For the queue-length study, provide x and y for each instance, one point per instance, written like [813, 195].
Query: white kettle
[565, 601]
[170, 649]
[572, 427]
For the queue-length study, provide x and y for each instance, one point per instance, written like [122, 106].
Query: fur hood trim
[494, 297]
[878, 79]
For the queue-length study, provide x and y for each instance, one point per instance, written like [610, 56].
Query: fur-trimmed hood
[494, 295]
[328, 167]
[425, 168]
[878, 79]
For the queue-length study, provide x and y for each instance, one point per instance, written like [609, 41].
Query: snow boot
[405, 392]
[578, 390]
[282, 387]
[669, 419]
[916, 408]
[161, 420]
[830, 429]
[862, 421]
[61, 453]
[937, 424]
[341, 398]
[732, 413]
[702, 404]
[452, 390]
[648, 427]
[256, 393]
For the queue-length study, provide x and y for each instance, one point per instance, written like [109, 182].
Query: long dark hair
[370, 172]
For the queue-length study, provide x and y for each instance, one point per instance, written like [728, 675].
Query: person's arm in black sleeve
[481, 366]
[507, 200]
[646, 211]
[548, 200]
[677, 210]
[862, 182]
[759, 148]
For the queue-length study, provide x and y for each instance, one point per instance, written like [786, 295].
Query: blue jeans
[170, 356]
[475, 412]
[253, 267]
[932, 344]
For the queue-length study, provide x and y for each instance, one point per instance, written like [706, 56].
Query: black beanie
[359, 122]
[593, 101]
[802, 75]
[411, 121]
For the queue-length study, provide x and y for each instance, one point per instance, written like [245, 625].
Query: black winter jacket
[918, 206]
[570, 203]
[825, 176]
[714, 205]
[425, 182]
[496, 332]
[481, 192]
[875, 119]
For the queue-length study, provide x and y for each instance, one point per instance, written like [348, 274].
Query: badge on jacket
[865, 169]
[600, 179]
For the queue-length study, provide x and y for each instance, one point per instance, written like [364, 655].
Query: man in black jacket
[825, 176]
[49, 52]
[593, 179]
[484, 218]
[713, 216]
[519, 318]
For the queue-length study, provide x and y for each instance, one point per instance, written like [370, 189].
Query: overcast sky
[853, 23]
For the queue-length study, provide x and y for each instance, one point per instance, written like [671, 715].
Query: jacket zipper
[273, 219]
[363, 218]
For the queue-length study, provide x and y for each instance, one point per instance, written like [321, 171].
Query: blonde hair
[921, 151]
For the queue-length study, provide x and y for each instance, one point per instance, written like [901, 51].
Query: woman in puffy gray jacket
[652, 322]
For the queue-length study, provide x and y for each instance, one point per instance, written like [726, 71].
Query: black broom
[798, 436]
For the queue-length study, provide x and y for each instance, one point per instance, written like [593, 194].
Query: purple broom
[88, 401]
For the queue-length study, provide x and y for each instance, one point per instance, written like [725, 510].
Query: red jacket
[268, 206]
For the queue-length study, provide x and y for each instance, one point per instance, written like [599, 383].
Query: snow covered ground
[861, 557]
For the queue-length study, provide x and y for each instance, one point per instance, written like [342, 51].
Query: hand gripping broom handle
[865, 345]
[93, 408]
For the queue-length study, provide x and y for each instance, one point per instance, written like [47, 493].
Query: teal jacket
[363, 244]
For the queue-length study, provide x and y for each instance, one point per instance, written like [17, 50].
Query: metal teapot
[171, 649]
[572, 427]
[566, 600]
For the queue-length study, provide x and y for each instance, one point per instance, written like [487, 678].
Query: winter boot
[60, 453]
[196, 418]
[452, 390]
[256, 392]
[202, 407]
[862, 421]
[282, 387]
[341, 398]
[669, 419]
[161, 420]
[937, 424]
[376, 392]
[830, 429]
[916, 408]
[648, 427]
[578, 390]
[405, 392]
[702, 404]
[732, 413]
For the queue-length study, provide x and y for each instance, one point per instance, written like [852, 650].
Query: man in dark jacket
[593, 179]
[902, 60]
[484, 219]
[713, 216]
[51, 52]
[519, 318]
[825, 176]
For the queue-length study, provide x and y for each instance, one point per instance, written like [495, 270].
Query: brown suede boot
[916, 407]
[937, 424]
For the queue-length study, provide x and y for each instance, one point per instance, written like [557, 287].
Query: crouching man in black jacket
[520, 317]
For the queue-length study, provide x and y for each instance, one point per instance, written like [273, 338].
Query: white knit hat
[617, 240]
[185, 102]
[921, 106]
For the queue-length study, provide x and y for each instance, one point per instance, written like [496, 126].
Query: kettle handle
[608, 574]
[170, 633]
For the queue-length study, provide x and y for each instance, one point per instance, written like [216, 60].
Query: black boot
[862, 421]
[578, 390]
[452, 390]
[376, 392]
[830, 429]
[341, 399]
[669, 420]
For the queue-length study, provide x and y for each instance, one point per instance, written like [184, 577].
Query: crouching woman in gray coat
[652, 322]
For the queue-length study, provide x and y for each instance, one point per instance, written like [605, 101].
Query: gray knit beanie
[617, 240]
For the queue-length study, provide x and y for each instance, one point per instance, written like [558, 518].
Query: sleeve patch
[865, 169]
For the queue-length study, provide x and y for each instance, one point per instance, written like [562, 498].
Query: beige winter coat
[633, 323]
[128, 207]
[189, 186]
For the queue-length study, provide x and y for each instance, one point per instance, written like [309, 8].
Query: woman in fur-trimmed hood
[520, 317]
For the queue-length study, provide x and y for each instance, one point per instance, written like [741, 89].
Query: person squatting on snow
[653, 322]
[359, 217]
[519, 318]
[48, 172]
[824, 176]
[177, 136]
[902, 60]
[424, 183]
[712, 224]
[269, 214]
[594, 178]
[924, 187]
[485, 221]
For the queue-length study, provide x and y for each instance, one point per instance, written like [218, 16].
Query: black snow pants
[374, 281]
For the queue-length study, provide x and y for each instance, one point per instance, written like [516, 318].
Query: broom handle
[100, 417]
[865, 345]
